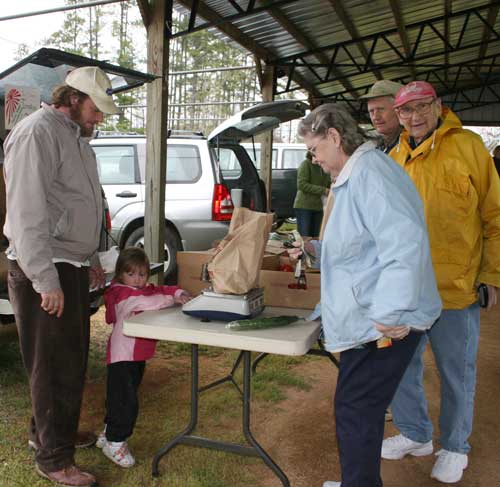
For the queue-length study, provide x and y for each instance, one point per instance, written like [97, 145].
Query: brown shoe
[84, 439]
[71, 476]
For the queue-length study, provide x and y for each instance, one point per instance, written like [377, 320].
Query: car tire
[172, 246]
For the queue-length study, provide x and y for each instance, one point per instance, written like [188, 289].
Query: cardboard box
[189, 265]
[277, 292]
[274, 281]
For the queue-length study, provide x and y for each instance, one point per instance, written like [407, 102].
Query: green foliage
[69, 36]
[193, 92]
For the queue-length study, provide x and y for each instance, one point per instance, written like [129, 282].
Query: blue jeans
[308, 222]
[454, 340]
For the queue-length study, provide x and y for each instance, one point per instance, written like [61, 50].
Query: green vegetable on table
[262, 323]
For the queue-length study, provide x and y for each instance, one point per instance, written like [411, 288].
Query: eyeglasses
[422, 108]
[312, 150]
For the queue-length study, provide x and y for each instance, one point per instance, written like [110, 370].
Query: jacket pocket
[452, 220]
[363, 289]
[63, 225]
[17, 278]
[455, 196]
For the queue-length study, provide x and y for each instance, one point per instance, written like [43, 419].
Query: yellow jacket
[460, 188]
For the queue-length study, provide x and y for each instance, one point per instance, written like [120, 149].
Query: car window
[293, 157]
[183, 164]
[255, 156]
[229, 164]
[115, 164]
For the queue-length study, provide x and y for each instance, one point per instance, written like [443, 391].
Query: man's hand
[394, 332]
[53, 302]
[492, 296]
[97, 277]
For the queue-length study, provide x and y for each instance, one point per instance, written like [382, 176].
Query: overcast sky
[28, 30]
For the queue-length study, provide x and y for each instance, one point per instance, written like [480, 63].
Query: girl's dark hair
[61, 96]
[130, 258]
[331, 115]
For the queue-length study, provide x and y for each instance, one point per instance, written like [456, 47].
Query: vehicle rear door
[238, 171]
[119, 175]
[234, 159]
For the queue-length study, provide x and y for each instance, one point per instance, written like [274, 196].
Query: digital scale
[210, 305]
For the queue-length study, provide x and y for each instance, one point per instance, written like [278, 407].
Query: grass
[164, 413]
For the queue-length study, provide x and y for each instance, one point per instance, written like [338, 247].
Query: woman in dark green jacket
[312, 184]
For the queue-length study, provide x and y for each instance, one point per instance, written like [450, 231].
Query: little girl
[126, 356]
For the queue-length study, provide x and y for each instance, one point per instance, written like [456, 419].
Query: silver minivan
[198, 204]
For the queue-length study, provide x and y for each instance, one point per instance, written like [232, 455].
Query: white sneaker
[449, 466]
[397, 447]
[101, 439]
[331, 484]
[119, 453]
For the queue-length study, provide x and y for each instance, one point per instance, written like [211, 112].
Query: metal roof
[336, 49]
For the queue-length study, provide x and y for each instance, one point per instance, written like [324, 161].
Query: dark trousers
[122, 402]
[54, 352]
[308, 222]
[368, 379]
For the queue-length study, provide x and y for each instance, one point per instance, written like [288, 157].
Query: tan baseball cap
[94, 82]
[384, 87]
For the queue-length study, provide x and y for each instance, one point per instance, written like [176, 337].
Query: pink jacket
[121, 302]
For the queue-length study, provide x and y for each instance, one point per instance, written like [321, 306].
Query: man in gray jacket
[53, 225]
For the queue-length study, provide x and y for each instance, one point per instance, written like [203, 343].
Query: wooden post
[160, 21]
[266, 141]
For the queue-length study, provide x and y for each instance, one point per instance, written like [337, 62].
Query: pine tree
[69, 36]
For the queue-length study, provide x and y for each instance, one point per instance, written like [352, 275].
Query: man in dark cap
[380, 103]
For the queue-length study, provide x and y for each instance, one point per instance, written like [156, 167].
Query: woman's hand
[295, 252]
[394, 332]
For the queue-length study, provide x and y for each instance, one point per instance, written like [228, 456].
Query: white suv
[198, 206]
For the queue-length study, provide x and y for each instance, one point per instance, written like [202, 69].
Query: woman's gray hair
[331, 115]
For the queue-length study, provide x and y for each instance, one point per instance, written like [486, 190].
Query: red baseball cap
[416, 90]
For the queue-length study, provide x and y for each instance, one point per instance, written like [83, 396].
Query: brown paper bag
[235, 268]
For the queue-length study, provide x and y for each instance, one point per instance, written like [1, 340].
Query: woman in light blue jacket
[378, 290]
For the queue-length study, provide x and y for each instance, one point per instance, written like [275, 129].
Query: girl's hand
[182, 299]
[394, 332]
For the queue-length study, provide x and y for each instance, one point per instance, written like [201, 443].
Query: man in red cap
[460, 188]
[53, 224]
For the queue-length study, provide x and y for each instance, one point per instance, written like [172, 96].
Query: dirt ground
[299, 432]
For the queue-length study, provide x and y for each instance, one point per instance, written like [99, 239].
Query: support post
[266, 141]
[159, 32]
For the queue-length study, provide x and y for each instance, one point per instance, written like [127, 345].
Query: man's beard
[75, 114]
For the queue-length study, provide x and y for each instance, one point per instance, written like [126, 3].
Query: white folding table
[172, 325]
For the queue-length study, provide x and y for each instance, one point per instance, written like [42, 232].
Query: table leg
[246, 421]
[194, 413]
[313, 351]
[187, 439]
[260, 357]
